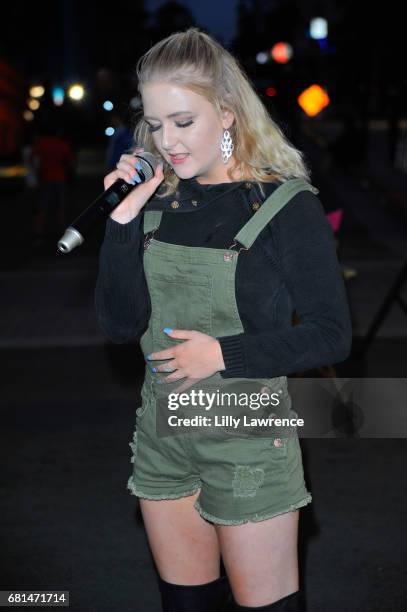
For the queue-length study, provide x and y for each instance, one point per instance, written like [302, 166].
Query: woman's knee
[261, 558]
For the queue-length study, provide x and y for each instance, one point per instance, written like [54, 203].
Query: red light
[270, 92]
[282, 52]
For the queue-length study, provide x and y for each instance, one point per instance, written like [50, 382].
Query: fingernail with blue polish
[154, 369]
[132, 182]
[167, 330]
[138, 166]
[137, 178]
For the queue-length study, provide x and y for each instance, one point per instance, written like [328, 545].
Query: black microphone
[105, 204]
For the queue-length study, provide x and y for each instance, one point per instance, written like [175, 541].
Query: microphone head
[148, 163]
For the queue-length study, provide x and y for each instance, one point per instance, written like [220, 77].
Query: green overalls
[245, 474]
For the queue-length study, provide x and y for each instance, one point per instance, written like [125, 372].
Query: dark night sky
[218, 16]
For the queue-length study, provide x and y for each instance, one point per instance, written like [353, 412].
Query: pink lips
[178, 160]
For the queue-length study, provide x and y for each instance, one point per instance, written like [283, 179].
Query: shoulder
[302, 224]
[304, 207]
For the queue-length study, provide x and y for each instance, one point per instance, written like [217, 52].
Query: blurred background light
[13, 171]
[271, 92]
[109, 131]
[76, 92]
[58, 96]
[262, 58]
[318, 28]
[108, 105]
[281, 52]
[37, 91]
[313, 100]
[33, 104]
[28, 115]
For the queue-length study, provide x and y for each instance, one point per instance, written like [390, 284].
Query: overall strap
[270, 207]
[152, 220]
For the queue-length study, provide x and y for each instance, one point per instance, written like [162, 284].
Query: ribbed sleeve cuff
[122, 232]
[233, 356]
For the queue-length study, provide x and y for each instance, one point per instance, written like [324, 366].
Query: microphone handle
[95, 212]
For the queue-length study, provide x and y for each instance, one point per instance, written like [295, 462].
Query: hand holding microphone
[127, 190]
[126, 170]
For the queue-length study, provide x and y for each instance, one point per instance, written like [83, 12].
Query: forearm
[122, 301]
[299, 348]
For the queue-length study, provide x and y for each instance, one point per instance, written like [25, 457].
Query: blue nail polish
[154, 369]
[137, 178]
[138, 166]
[132, 182]
[148, 357]
[167, 330]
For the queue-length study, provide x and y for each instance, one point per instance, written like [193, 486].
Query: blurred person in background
[31, 179]
[121, 140]
[54, 163]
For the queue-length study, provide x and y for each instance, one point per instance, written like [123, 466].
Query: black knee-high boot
[294, 602]
[214, 596]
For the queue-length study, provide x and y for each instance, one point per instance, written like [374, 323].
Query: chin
[184, 173]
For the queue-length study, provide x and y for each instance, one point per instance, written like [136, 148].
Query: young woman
[205, 264]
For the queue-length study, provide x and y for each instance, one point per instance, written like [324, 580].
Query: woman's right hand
[131, 205]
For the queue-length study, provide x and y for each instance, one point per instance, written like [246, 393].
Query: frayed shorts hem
[134, 490]
[251, 519]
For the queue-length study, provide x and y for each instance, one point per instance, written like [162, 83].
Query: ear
[227, 118]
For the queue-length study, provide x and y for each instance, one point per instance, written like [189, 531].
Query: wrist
[122, 219]
[122, 232]
[220, 362]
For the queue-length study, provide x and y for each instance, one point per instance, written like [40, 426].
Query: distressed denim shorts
[241, 478]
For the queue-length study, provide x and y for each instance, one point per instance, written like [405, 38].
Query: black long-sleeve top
[292, 265]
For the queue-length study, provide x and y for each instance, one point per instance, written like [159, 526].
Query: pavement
[68, 411]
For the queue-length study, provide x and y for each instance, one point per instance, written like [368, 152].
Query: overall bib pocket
[180, 303]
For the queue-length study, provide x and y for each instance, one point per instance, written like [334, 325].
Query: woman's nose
[168, 138]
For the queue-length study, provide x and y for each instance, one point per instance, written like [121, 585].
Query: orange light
[313, 100]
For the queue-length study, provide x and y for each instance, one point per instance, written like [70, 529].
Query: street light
[76, 92]
[37, 91]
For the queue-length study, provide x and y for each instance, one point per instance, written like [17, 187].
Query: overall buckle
[229, 256]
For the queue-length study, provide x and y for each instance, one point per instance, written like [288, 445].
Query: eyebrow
[171, 115]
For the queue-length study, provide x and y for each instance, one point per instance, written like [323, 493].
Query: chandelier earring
[226, 146]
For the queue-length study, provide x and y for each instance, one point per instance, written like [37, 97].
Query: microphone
[105, 204]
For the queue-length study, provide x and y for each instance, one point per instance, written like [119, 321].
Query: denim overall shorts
[243, 474]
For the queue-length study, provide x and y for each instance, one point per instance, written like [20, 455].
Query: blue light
[323, 44]
[109, 131]
[58, 96]
[108, 105]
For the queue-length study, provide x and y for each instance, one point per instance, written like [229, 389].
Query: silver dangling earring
[226, 146]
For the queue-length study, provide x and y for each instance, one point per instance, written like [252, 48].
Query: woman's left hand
[198, 357]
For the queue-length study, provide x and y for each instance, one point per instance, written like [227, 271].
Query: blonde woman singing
[204, 265]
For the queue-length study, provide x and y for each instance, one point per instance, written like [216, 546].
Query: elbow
[117, 335]
[343, 350]
[341, 343]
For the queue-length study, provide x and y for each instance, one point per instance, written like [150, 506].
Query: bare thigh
[261, 559]
[184, 546]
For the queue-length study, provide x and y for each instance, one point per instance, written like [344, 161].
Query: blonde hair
[194, 60]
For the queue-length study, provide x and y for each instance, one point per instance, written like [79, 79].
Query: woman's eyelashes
[152, 128]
